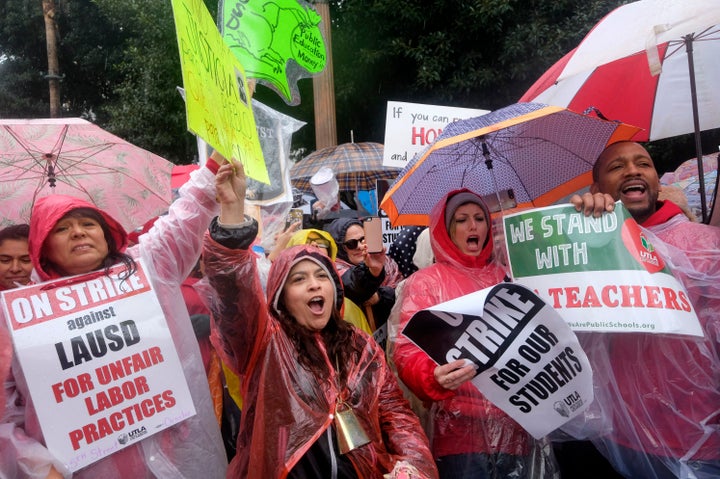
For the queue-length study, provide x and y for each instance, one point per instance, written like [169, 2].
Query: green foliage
[146, 105]
[23, 60]
[121, 67]
[476, 54]
[119, 63]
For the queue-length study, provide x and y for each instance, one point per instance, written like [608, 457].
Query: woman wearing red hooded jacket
[69, 236]
[470, 437]
[320, 400]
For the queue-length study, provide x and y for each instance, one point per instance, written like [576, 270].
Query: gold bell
[350, 433]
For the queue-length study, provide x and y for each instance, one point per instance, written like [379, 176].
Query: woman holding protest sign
[470, 437]
[320, 400]
[70, 237]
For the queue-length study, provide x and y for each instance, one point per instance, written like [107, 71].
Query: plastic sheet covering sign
[529, 362]
[600, 274]
[217, 99]
[99, 361]
[275, 131]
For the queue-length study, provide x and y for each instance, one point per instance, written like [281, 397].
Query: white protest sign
[412, 127]
[600, 274]
[528, 360]
[99, 361]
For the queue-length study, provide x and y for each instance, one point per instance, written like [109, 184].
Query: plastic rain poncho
[287, 408]
[191, 449]
[461, 421]
[657, 406]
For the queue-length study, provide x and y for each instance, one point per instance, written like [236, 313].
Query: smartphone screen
[373, 234]
[294, 215]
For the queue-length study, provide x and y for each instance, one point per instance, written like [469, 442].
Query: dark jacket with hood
[359, 282]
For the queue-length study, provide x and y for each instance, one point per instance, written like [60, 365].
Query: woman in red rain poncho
[470, 437]
[69, 236]
[300, 365]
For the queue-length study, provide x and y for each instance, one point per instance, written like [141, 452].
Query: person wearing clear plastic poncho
[657, 396]
[70, 236]
[301, 367]
[470, 437]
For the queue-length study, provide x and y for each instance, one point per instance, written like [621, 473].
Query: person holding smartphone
[369, 278]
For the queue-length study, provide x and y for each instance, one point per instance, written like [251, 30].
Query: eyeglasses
[354, 243]
[319, 243]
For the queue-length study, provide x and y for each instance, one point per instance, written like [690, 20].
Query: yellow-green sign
[217, 100]
[277, 41]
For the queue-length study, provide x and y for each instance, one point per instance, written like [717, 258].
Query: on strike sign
[528, 361]
[99, 361]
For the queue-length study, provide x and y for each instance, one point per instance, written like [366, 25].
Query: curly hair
[336, 335]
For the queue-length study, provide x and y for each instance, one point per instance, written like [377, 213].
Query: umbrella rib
[704, 36]
[34, 154]
[497, 154]
[60, 141]
[71, 161]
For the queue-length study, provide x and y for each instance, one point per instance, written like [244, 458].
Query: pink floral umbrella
[74, 157]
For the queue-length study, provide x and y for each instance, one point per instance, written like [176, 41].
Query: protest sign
[528, 361]
[600, 274]
[412, 127]
[265, 36]
[217, 98]
[99, 361]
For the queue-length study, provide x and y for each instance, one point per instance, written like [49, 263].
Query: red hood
[444, 249]
[281, 268]
[47, 211]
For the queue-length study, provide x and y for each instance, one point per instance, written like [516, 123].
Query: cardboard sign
[412, 127]
[600, 274]
[528, 361]
[217, 99]
[99, 362]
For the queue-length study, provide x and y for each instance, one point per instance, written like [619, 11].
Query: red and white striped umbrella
[634, 67]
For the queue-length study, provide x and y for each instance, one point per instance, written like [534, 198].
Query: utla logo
[571, 403]
[640, 248]
[137, 433]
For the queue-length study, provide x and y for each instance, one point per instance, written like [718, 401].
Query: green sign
[278, 42]
[600, 274]
[562, 240]
[217, 99]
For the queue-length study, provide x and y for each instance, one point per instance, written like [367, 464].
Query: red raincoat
[463, 421]
[287, 407]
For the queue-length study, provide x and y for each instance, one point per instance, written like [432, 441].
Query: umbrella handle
[489, 165]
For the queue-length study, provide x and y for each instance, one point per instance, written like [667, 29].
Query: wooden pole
[324, 87]
[53, 75]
